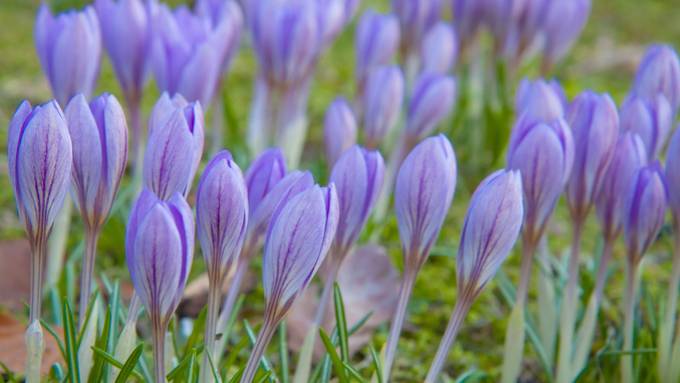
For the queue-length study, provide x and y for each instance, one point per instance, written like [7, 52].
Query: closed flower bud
[673, 174]
[332, 17]
[377, 41]
[439, 49]
[261, 214]
[423, 193]
[416, 17]
[339, 130]
[39, 157]
[652, 120]
[99, 135]
[563, 21]
[540, 100]
[221, 211]
[659, 72]
[431, 101]
[226, 18]
[543, 153]
[263, 174]
[159, 246]
[126, 33]
[491, 227]
[298, 239]
[358, 177]
[69, 48]
[594, 124]
[382, 103]
[174, 148]
[645, 210]
[629, 156]
[469, 16]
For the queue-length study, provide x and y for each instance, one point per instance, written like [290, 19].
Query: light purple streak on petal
[17, 126]
[563, 22]
[340, 129]
[141, 207]
[263, 174]
[439, 49]
[184, 221]
[431, 101]
[659, 72]
[539, 100]
[376, 41]
[645, 209]
[382, 102]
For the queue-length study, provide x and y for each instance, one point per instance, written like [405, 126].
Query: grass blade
[354, 373]
[71, 344]
[114, 362]
[377, 366]
[49, 329]
[335, 358]
[283, 353]
[129, 366]
[266, 366]
[341, 323]
[98, 363]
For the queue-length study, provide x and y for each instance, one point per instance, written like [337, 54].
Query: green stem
[158, 337]
[260, 346]
[91, 237]
[215, 283]
[627, 360]
[398, 322]
[457, 318]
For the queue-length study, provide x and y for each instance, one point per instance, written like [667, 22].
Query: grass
[603, 59]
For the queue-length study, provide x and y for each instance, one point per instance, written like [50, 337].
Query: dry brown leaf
[196, 293]
[13, 347]
[15, 257]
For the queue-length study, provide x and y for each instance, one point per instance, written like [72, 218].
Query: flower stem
[629, 317]
[260, 346]
[568, 309]
[215, 283]
[136, 148]
[403, 147]
[91, 237]
[459, 313]
[38, 255]
[398, 322]
[666, 335]
[217, 122]
[158, 336]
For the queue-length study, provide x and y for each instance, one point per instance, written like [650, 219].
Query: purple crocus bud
[126, 33]
[416, 17]
[39, 158]
[99, 135]
[539, 100]
[382, 103]
[358, 177]
[56, 40]
[261, 214]
[651, 119]
[659, 72]
[298, 239]
[439, 49]
[423, 193]
[332, 18]
[226, 19]
[491, 228]
[339, 130]
[645, 209]
[629, 156]
[263, 174]
[221, 212]
[468, 15]
[673, 174]
[594, 124]
[543, 153]
[377, 40]
[159, 245]
[174, 148]
[431, 101]
[563, 21]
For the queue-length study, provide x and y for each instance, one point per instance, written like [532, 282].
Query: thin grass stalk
[214, 285]
[627, 360]
[91, 238]
[459, 313]
[398, 322]
[547, 318]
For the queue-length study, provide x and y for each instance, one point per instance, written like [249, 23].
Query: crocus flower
[339, 130]
[416, 18]
[673, 173]
[491, 227]
[222, 219]
[594, 123]
[431, 101]
[263, 174]
[377, 40]
[515, 26]
[540, 100]
[382, 103]
[175, 146]
[226, 19]
[297, 241]
[659, 72]
[439, 49]
[563, 21]
[468, 16]
[39, 154]
[651, 119]
[56, 40]
[99, 134]
[159, 245]
[423, 193]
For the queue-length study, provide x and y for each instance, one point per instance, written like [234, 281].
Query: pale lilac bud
[226, 18]
[629, 156]
[594, 123]
[416, 17]
[673, 174]
[543, 153]
[39, 158]
[358, 177]
[126, 33]
[377, 40]
[332, 18]
[515, 25]
[339, 130]
[221, 211]
[431, 101]
[174, 148]
[659, 72]
[292, 184]
[645, 210]
[99, 135]
[298, 239]
[539, 100]
[439, 49]
[491, 228]
[382, 103]
[651, 119]
[58, 39]
[468, 16]
[423, 193]
[159, 245]
[263, 174]
[563, 21]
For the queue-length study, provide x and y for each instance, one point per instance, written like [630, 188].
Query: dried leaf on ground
[13, 347]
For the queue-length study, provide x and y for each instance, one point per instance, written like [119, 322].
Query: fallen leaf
[13, 347]
[15, 258]
[196, 293]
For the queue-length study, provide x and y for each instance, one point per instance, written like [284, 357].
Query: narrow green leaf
[353, 372]
[360, 323]
[470, 376]
[114, 362]
[283, 353]
[264, 362]
[197, 332]
[237, 375]
[265, 376]
[192, 366]
[341, 323]
[231, 358]
[98, 363]
[49, 329]
[376, 363]
[71, 344]
[129, 365]
[213, 368]
[335, 358]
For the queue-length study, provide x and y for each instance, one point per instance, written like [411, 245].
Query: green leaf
[196, 336]
[376, 363]
[128, 368]
[71, 344]
[213, 368]
[112, 361]
[192, 366]
[283, 353]
[264, 362]
[470, 376]
[97, 372]
[49, 329]
[353, 372]
[335, 358]
[237, 375]
[341, 323]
